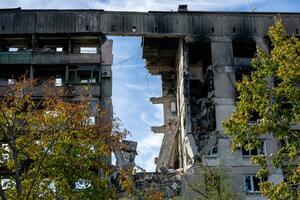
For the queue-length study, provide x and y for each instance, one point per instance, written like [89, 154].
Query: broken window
[256, 151]
[84, 74]
[251, 183]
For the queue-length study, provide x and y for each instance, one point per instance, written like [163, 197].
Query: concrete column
[224, 78]
[188, 150]
[67, 74]
[31, 72]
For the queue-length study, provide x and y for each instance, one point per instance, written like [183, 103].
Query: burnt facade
[199, 56]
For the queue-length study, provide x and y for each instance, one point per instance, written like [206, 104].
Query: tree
[213, 184]
[50, 149]
[272, 93]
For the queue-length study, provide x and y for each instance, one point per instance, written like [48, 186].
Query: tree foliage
[272, 91]
[213, 184]
[53, 151]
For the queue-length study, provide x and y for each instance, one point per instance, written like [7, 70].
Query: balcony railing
[51, 58]
[70, 90]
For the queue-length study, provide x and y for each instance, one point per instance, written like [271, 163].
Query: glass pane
[256, 181]
[248, 183]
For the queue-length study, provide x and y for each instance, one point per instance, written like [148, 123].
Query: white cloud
[147, 150]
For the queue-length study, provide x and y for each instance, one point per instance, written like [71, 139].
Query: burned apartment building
[199, 56]
[72, 61]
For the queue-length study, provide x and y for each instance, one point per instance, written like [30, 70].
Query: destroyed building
[199, 56]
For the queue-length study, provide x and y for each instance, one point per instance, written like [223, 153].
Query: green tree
[50, 149]
[272, 91]
[213, 183]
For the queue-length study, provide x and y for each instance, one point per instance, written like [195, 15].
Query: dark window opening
[155, 29]
[233, 30]
[241, 71]
[112, 28]
[254, 116]
[212, 29]
[297, 31]
[44, 73]
[3, 28]
[84, 75]
[10, 74]
[251, 183]
[87, 27]
[134, 29]
[243, 49]
[256, 151]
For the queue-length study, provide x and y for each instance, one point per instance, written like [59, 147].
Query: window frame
[259, 151]
[252, 177]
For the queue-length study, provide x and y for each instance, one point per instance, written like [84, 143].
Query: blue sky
[132, 85]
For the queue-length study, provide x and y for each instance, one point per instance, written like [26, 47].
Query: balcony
[71, 90]
[51, 58]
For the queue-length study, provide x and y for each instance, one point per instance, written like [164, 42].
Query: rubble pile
[168, 181]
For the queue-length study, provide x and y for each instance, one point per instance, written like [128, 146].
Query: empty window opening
[134, 29]
[91, 50]
[297, 31]
[83, 75]
[241, 71]
[112, 28]
[87, 27]
[45, 73]
[8, 75]
[243, 49]
[58, 82]
[173, 106]
[251, 183]
[13, 49]
[214, 150]
[233, 30]
[155, 29]
[59, 49]
[212, 29]
[3, 28]
[256, 151]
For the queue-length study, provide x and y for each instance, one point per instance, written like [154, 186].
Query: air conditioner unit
[106, 74]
